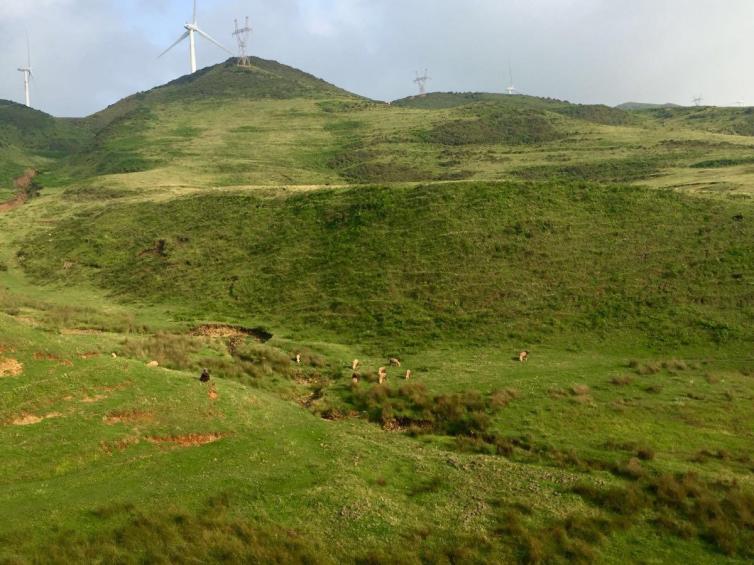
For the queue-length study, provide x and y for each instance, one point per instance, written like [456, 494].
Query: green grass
[612, 245]
[470, 262]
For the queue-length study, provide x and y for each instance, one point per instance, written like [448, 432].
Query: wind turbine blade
[194, 20]
[28, 50]
[177, 41]
[208, 38]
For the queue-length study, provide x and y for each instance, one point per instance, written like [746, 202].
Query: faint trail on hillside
[22, 185]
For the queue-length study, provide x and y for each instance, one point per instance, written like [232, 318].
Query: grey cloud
[606, 51]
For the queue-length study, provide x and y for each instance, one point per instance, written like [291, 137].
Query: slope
[411, 265]
[30, 138]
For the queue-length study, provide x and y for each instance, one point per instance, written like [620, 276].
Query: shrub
[411, 406]
[622, 380]
[170, 350]
[580, 390]
[501, 398]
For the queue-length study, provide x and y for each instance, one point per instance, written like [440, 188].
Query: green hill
[644, 106]
[31, 138]
[271, 228]
[473, 262]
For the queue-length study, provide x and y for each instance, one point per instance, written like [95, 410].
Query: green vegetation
[483, 262]
[272, 228]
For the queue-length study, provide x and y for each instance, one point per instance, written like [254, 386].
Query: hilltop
[645, 106]
[272, 228]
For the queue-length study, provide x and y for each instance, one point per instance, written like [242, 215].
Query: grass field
[288, 217]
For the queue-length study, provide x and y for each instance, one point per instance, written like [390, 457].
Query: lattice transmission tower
[421, 82]
[242, 37]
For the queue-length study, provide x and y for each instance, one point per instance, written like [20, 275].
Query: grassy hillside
[30, 138]
[272, 228]
[481, 262]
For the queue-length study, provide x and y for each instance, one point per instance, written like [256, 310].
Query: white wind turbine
[27, 73]
[511, 89]
[191, 29]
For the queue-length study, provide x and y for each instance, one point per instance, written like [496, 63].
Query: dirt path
[22, 185]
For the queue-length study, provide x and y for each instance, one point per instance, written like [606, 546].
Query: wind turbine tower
[191, 29]
[421, 82]
[27, 73]
[511, 89]
[242, 37]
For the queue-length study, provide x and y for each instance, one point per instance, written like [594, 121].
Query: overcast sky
[87, 54]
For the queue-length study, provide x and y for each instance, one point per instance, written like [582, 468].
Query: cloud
[89, 53]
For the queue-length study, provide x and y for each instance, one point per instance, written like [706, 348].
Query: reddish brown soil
[21, 185]
[10, 367]
[127, 417]
[188, 440]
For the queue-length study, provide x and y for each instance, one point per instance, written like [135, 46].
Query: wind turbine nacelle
[191, 27]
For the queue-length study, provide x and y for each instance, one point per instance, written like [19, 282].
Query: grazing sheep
[355, 364]
[355, 378]
[408, 374]
[204, 376]
[153, 364]
[298, 359]
[394, 362]
[523, 357]
[382, 374]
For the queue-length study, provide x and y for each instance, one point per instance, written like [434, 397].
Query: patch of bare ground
[122, 444]
[22, 185]
[93, 399]
[120, 386]
[230, 331]
[10, 367]
[187, 440]
[43, 356]
[31, 419]
[127, 417]
[81, 331]
[88, 355]
[212, 392]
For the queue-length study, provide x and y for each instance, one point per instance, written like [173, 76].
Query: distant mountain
[645, 106]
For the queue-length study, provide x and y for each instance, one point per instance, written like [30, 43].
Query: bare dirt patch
[43, 356]
[212, 392]
[10, 367]
[31, 419]
[111, 388]
[89, 355]
[188, 440]
[81, 331]
[111, 447]
[226, 331]
[23, 185]
[93, 399]
[127, 417]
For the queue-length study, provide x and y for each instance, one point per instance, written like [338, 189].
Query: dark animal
[204, 376]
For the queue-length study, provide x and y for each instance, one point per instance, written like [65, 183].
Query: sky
[87, 54]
